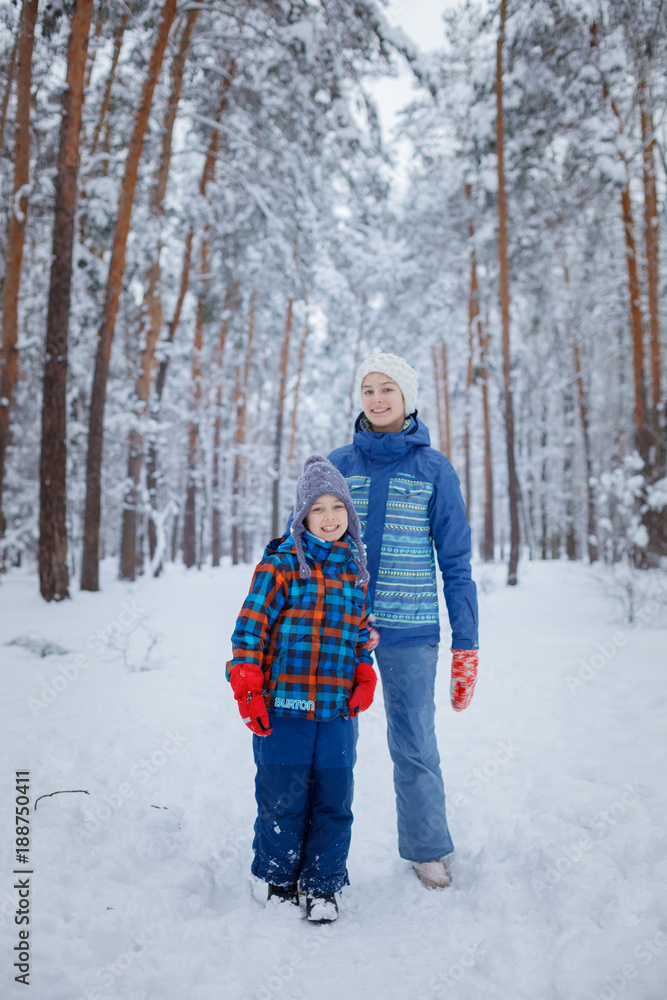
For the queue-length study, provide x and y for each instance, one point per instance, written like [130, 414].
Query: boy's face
[382, 402]
[327, 518]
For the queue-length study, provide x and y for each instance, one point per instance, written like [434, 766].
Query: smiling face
[327, 518]
[382, 402]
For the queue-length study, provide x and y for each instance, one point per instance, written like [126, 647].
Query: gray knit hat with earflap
[318, 478]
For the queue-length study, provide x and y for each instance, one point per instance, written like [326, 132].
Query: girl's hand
[374, 639]
[464, 677]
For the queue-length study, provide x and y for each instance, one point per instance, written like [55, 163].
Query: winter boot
[284, 893]
[321, 909]
[432, 874]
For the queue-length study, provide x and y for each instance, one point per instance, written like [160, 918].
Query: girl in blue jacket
[409, 502]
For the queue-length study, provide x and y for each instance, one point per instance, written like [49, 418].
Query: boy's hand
[255, 715]
[363, 689]
[247, 682]
[464, 677]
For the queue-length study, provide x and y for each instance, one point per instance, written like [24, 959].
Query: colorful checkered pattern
[307, 635]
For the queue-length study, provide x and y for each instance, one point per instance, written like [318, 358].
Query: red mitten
[464, 676]
[374, 639]
[255, 715]
[246, 678]
[363, 689]
[247, 682]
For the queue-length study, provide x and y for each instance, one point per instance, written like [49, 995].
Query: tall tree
[151, 313]
[203, 298]
[276, 526]
[652, 249]
[90, 563]
[53, 572]
[473, 328]
[231, 299]
[240, 529]
[9, 354]
[119, 34]
[488, 544]
[7, 92]
[503, 258]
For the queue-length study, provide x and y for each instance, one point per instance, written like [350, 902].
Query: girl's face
[382, 402]
[327, 518]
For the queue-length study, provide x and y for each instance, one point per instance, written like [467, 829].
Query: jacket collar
[326, 552]
[381, 445]
[331, 553]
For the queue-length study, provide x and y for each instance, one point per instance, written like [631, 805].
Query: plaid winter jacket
[307, 635]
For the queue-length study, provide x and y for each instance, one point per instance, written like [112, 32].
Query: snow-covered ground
[556, 787]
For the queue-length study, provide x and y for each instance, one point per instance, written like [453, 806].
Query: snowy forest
[204, 231]
[209, 220]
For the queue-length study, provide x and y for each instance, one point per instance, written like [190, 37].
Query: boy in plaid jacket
[300, 672]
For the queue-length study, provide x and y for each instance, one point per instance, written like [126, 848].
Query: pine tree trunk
[571, 547]
[239, 530]
[591, 540]
[152, 311]
[297, 390]
[276, 526]
[445, 399]
[488, 545]
[216, 527]
[16, 236]
[636, 325]
[236, 548]
[642, 431]
[208, 176]
[53, 572]
[190, 513]
[655, 520]
[216, 533]
[8, 91]
[90, 568]
[92, 48]
[651, 242]
[437, 391]
[513, 482]
[119, 34]
[473, 331]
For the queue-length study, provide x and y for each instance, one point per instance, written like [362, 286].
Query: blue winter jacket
[408, 499]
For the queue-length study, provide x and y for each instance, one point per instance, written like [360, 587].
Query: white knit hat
[397, 369]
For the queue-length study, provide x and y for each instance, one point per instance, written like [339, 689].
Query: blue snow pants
[304, 789]
[408, 686]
